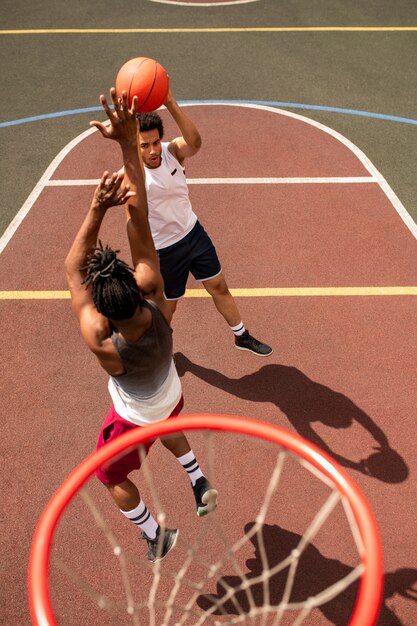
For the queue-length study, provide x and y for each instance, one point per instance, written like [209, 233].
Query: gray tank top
[147, 361]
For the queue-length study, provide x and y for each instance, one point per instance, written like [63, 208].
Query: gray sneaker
[247, 342]
[205, 496]
[165, 540]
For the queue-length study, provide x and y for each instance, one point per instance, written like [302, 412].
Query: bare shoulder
[173, 147]
[97, 335]
[95, 328]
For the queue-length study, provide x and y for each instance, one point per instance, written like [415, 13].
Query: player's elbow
[193, 146]
[197, 142]
[70, 268]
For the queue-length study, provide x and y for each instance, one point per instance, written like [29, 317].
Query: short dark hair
[115, 292]
[150, 121]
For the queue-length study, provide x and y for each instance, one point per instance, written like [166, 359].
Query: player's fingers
[106, 107]
[134, 108]
[100, 127]
[125, 104]
[122, 196]
[103, 179]
[108, 184]
[116, 181]
[127, 195]
[115, 99]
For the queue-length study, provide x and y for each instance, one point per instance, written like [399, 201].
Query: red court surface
[342, 373]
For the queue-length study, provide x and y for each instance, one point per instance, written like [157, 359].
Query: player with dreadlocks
[114, 289]
[125, 321]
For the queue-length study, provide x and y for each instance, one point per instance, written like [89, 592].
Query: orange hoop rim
[370, 588]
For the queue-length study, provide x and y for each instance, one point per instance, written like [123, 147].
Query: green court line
[256, 29]
[277, 292]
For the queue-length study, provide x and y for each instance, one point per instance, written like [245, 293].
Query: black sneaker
[165, 540]
[247, 342]
[205, 496]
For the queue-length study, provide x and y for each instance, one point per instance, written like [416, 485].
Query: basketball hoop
[360, 516]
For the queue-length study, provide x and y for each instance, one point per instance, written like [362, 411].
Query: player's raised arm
[80, 277]
[190, 142]
[123, 129]
[110, 192]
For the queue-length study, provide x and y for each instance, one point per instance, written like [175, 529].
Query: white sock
[239, 329]
[189, 463]
[141, 517]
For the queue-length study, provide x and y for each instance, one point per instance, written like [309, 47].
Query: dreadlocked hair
[115, 292]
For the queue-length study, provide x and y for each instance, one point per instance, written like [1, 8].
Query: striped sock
[189, 463]
[239, 329]
[141, 517]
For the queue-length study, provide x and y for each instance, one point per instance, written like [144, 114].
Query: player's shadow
[304, 402]
[314, 573]
[402, 582]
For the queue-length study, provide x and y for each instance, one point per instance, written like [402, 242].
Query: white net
[283, 546]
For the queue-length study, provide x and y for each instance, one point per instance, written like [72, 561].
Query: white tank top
[171, 216]
[150, 388]
[143, 411]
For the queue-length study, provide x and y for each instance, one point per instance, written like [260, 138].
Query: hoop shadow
[305, 401]
[315, 572]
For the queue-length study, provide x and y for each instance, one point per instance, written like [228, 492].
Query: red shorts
[114, 426]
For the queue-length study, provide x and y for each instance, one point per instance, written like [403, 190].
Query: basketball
[146, 79]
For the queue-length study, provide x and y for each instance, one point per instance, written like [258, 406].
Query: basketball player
[182, 244]
[125, 321]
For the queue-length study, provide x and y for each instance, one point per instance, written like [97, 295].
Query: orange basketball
[146, 79]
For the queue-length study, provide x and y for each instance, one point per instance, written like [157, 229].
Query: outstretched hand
[123, 125]
[110, 192]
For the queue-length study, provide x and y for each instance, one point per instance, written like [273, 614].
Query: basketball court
[320, 253]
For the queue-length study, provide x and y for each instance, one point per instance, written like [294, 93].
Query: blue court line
[289, 105]
[45, 116]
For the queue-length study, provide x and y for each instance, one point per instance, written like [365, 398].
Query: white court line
[231, 181]
[374, 173]
[38, 188]
[204, 4]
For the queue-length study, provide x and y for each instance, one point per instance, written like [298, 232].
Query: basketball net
[239, 565]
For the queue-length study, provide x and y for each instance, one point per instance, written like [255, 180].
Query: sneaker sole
[161, 558]
[210, 501]
[253, 352]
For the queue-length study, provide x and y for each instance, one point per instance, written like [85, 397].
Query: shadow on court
[314, 573]
[305, 401]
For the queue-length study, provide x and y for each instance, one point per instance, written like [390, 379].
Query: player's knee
[217, 286]
[173, 304]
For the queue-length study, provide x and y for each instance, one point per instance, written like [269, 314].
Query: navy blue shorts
[195, 253]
